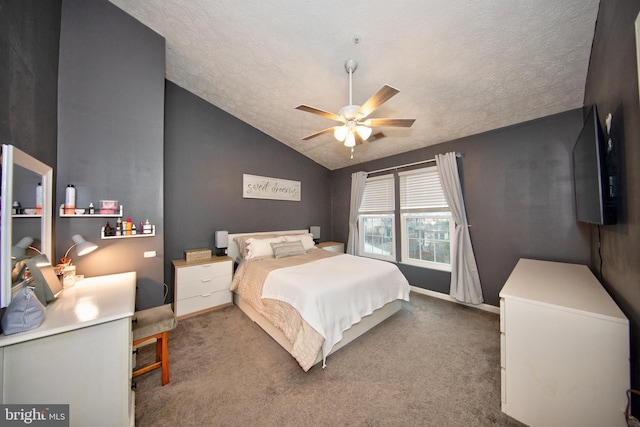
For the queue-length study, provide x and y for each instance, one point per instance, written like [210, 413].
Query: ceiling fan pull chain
[352, 153]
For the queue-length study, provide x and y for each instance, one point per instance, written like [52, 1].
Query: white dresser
[80, 355]
[201, 285]
[565, 348]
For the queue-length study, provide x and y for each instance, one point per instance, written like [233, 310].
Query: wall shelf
[131, 236]
[87, 215]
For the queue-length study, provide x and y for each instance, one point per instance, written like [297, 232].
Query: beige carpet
[435, 363]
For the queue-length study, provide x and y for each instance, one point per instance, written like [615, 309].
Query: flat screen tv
[594, 176]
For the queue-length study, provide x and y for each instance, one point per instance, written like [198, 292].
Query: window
[427, 239]
[376, 220]
[427, 225]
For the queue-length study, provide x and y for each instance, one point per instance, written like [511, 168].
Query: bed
[311, 301]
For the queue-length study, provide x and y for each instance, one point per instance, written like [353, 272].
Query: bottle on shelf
[128, 227]
[70, 200]
[109, 230]
[39, 199]
[146, 228]
[16, 208]
[92, 210]
[133, 230]
[119, 227]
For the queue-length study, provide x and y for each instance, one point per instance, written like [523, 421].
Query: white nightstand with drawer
[200, 286]
[331, 246]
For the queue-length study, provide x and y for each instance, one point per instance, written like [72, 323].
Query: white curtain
[465, 281]
[358, 180]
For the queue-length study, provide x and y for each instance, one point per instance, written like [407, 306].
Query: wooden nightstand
[200, 286]
[331, 246]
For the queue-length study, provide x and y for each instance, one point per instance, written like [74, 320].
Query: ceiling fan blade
[320, 112]
[377, 99]
[398, 123]
[322, 132]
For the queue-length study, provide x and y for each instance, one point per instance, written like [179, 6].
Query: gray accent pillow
[25, 311]
[287, 249]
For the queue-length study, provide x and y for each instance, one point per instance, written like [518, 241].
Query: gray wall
[206, 152]
[29, 37]
[518, 188]
[110, 136]
[612, 84]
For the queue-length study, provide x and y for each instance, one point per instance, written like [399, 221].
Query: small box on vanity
[200, 254]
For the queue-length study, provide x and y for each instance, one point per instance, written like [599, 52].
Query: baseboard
[440, 295]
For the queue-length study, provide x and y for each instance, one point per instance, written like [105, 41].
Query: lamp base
[68, 276]
[221, 251]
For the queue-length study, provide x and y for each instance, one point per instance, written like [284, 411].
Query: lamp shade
[315, 230]
[20, 249]
[364, 132]
[221, 239]
[82, 246]
[350, 141]
[341, 133]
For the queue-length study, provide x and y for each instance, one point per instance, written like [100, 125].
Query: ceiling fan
[356, 127]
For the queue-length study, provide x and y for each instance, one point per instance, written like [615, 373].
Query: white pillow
[242, 241]
[306, 239]
[261, 247]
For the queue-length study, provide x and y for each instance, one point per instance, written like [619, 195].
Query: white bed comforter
[334, 293]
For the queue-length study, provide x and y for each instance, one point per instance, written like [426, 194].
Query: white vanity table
[80, 355]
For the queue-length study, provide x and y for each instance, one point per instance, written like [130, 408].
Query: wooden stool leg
[164, 348]
[162, 357]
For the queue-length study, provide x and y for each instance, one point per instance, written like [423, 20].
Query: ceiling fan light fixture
[341, 133]
[350, 140]
[364, 132]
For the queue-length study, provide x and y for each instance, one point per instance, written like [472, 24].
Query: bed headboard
[234, 251]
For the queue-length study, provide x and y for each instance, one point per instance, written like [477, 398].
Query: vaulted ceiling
[462, 67]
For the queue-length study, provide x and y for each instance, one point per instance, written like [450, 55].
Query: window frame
[381, 206]
[361, 230]
[431, 204]
[405, 240]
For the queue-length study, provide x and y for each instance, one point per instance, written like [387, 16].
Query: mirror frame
[12, 156]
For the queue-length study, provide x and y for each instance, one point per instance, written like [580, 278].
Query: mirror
[21, 173]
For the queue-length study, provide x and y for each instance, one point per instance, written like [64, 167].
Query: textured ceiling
[462, 67]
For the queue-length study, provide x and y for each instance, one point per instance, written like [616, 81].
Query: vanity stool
[155, 323]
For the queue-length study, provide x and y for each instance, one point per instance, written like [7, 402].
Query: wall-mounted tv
[594, 181]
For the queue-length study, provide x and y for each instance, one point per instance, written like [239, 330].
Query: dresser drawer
[202, 272]
[203, 286]
[202, 302]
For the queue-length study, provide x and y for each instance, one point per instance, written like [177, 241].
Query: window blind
[421, 189]
[379, 195]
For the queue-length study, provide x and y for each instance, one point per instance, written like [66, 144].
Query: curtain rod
[409, 164]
